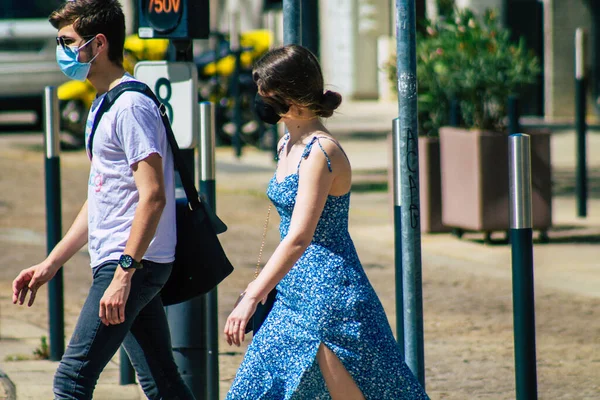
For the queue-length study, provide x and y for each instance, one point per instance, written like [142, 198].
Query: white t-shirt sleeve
[138, 129]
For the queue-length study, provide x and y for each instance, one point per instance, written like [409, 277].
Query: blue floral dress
[325, 298]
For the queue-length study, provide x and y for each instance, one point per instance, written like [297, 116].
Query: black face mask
[268, 112]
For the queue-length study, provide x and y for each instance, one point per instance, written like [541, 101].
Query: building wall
[561, 19]
[480, 6]
[349, 33]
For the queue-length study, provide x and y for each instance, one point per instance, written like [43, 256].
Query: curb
[7, 388]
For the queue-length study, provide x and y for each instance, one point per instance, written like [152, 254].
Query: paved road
[467, 295]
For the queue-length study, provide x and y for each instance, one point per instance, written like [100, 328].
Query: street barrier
[521, 238]
[53, 220]
[397, 191]
[126, 371]
[205, 170]
[580, 124]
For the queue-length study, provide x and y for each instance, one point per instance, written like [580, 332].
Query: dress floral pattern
[325, 298]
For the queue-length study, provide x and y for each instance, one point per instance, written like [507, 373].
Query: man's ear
[101, 42]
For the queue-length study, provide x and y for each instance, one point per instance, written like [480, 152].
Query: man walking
[128, 219]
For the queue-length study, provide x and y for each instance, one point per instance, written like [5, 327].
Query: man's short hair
[92, 17]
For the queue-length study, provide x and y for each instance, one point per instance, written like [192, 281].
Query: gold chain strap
[262, 245]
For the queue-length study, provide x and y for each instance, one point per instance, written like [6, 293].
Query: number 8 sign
[175, 84]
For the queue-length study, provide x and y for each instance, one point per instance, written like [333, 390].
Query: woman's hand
[235, 327]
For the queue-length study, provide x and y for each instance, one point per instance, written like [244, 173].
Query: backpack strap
[194, 200]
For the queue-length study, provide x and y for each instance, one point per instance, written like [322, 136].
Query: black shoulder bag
[200, 261]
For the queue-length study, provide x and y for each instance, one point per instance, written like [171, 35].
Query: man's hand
[30, 280]
[112, 304]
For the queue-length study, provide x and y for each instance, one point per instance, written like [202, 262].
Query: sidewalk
[362, 128]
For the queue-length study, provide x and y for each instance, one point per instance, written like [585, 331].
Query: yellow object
[137, 49]
[77, 90]
[259, 41]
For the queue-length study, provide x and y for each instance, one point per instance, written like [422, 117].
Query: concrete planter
[430, 189]
[474, 176]
[430, 181]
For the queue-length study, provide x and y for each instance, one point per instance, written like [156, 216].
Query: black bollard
[205, 170]
[580, 123]
[521, 238]
[398, 234]
[53, 221]
[126, 371]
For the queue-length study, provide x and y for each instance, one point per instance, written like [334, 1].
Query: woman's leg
[338, 380]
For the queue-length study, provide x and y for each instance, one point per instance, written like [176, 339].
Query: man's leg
[149, 348]
[93, 344]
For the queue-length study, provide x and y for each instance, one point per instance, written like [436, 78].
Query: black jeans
[144, 334]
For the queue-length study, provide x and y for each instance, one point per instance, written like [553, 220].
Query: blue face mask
[67, 59]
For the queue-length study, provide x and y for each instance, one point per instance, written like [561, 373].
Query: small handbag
[262, 310]
[200, 261]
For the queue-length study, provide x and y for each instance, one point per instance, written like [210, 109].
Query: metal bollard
[126, 371]
[521, 238]
[409, 173]
[53, 221]
[205, 170]
[398, 233]
[580, 123]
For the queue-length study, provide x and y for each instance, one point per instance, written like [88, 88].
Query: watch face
[126, 261]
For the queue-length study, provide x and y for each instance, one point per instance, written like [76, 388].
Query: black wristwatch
[127, 262]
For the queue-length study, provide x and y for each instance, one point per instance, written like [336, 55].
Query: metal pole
[310, 25]
[188, 333]
[409, 180]
[273, 130]
[292, 34]
[513, 114]
[234, 43]
[521, 235]
[126, 371]
[205, 170]
[580, 123]
[292, 22]
[454, 113]
[398, 233]
[53, 221]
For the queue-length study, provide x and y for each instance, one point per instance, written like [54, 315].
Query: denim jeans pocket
[154, 277]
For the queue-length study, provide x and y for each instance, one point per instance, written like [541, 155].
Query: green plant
[474, 61]
[17, 357]
[42, 352]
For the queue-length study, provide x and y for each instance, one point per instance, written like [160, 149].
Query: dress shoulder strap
[285, 140]
[308, 148]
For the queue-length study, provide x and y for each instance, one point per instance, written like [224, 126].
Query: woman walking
[327, 335]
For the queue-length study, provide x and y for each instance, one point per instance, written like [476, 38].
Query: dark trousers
[144, 334]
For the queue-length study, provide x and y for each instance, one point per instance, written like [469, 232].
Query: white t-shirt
[130, 131]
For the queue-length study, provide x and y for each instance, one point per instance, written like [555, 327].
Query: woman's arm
[315, 183]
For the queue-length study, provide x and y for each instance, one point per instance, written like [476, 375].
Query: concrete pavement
[33, 378]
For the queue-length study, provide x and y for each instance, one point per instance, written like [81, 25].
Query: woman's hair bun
[329, 102]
